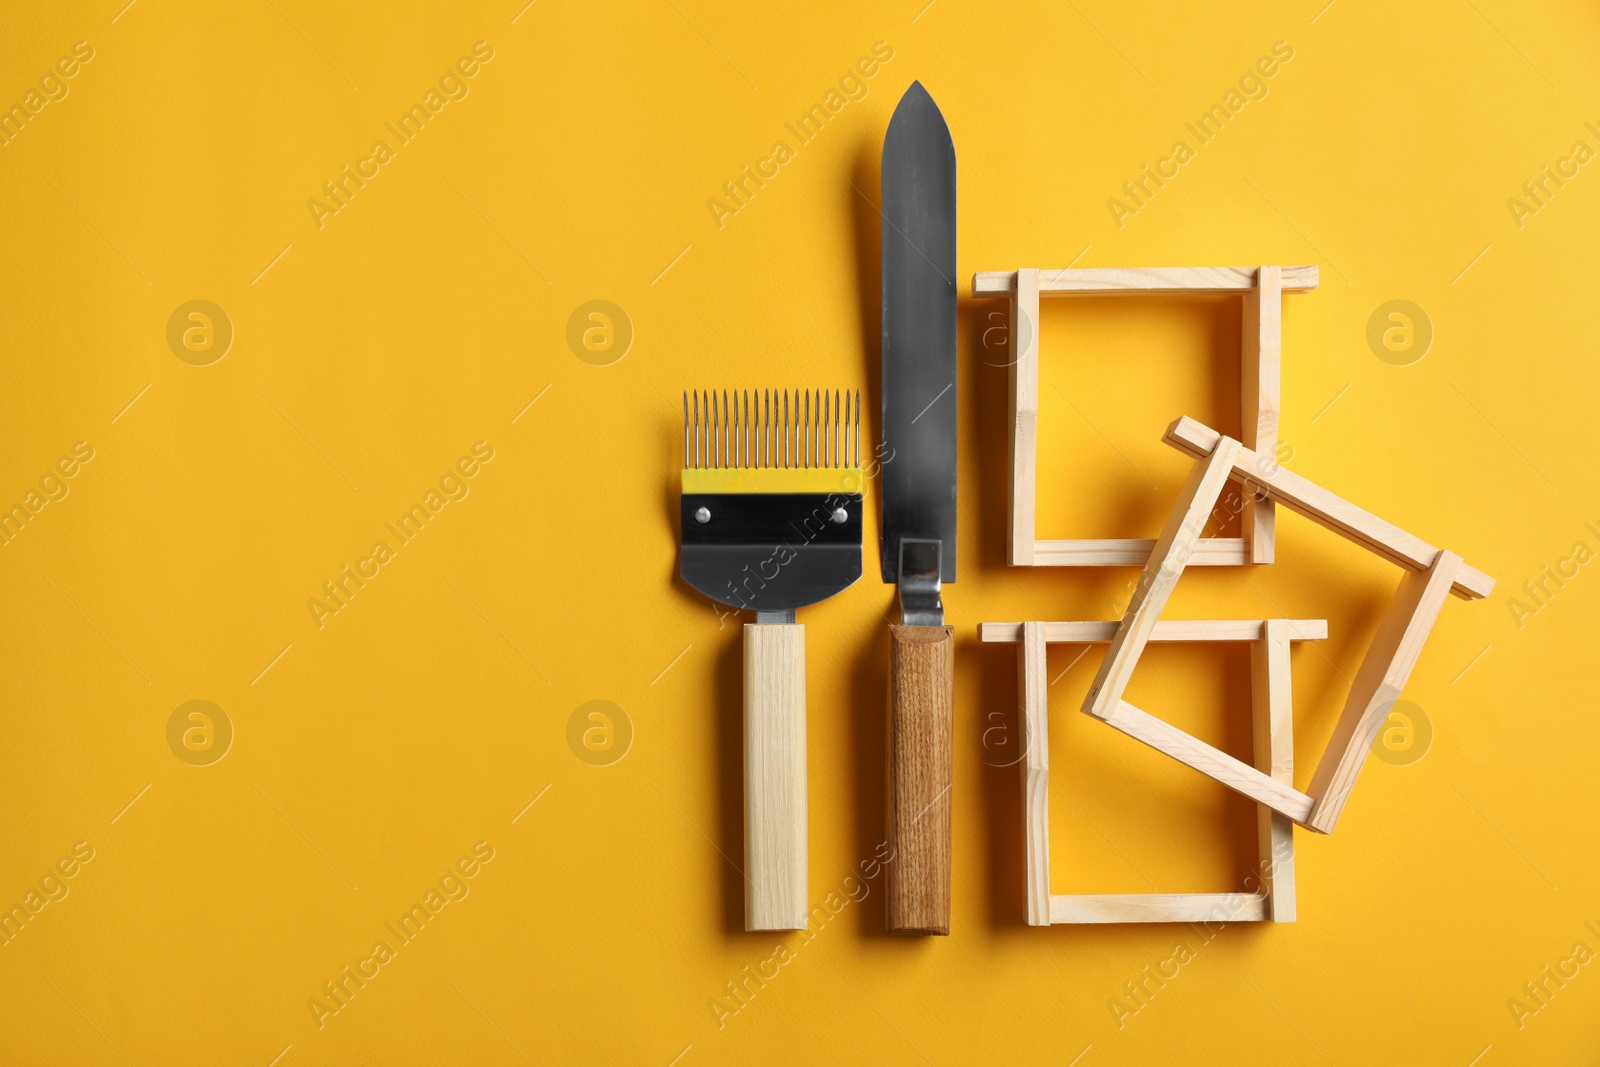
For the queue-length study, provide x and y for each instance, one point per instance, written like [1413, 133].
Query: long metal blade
[919, 333]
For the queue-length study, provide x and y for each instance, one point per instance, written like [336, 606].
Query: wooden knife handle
[921, 724]
[775, 777]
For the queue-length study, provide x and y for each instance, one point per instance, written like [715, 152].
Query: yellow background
[370, 353]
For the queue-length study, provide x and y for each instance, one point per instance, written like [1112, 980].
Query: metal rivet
[702, 514]
[839, 515]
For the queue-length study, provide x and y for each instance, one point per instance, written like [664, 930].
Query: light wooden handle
[921, 722]
[775, 777]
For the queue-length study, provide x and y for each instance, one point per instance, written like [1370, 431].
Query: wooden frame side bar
[1033, 698]
[1146, 281]
[1272, 719]
[1325, 508]
[1024, 392]
[1259, 366]
[1382, 675]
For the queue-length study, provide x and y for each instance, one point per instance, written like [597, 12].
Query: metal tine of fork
[805, 450]
[847, 462]
[857, 457]
[833, 445]
[744, 436]
[844, 445]
[817, 446]
[827, 432]
[836, 417]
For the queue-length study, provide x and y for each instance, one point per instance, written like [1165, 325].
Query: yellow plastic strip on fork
[773, 480]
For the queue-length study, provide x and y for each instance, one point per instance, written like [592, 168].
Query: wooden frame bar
[1272, 707]
[1384, 670]
[1260, 358]
[1271, 697]
[1141, 281]
[1324, 508]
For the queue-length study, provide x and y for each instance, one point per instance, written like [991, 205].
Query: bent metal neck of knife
[921, 602]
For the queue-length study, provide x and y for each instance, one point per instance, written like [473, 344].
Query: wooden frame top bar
[1172, 630]
[1324, 508]
[1141, 281]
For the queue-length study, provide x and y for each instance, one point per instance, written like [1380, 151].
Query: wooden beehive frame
[1263, 290]
[1271, 700]
[1431, 573]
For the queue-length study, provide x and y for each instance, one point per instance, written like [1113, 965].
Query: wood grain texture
[1235, 774]
[1382, 675]
[1033, 715]
[1272, 719]
[775, 852]
[921, 726]
[1259, 366]
[1135, 552]
[1158, 908]
[1325, 508]
[1167, 560]
[1023, 379]
[1141, 281]
[1101, 633]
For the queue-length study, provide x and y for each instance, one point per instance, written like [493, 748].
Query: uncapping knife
[919, 502]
